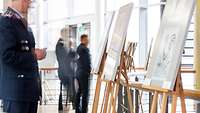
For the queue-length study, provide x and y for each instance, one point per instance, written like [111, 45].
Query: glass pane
[187, 60]
[190, 35]
[189, 77]
[189, 43]
[189, 52]
[192, 27]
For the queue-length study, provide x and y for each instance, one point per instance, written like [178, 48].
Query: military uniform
[0, 69]
[82, 75]
[19, 68]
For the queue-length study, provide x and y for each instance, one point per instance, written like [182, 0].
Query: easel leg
[114, 97]
[164, 103]
[182, 96]
[130, 99]
[107, 97]
[96, 97]
[174, 103]
[111, 99]
[104, 97]
[154, 103]
[183, 106]
[140, 100]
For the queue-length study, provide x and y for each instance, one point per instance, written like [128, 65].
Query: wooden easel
[130, 65]
[130, 51]
[177, 92]
[112, 87]
[111, 93]
[98, 84]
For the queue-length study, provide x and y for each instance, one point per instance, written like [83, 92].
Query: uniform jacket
[84, 61]
[0, 70]
[19, 68]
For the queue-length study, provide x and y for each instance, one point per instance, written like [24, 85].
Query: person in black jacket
[66, 57]
[83, 73]
[19, 68]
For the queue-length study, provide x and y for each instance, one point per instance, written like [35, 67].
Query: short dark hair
[84, 36]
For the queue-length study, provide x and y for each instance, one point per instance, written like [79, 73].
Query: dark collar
[14, 14]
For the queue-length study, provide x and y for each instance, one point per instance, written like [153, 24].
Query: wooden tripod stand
[177, 92]
[112, 88]
[111, 93]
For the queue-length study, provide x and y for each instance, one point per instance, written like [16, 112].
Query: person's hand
[40, 53]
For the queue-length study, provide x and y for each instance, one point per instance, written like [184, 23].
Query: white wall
[83, 7]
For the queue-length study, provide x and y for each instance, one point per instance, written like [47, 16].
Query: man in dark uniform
[19, 81]
[0, 74]
[83, 73]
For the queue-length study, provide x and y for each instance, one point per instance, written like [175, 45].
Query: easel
[130, 65]
[177, 92]
[130, 51]
[112, 87]
[98, 84]
[110, 98]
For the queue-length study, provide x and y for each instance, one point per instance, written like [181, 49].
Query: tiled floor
[52, 109]
[49, 109]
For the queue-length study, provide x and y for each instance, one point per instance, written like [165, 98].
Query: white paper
[102, 45]
[169, 44]
[117, 42]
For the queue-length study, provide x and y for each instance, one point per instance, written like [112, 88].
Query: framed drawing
[117, 42]
[103, 43]
[169, 44]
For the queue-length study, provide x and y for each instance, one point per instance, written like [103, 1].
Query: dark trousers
[21, 107]
[68, 83]
[83, 91]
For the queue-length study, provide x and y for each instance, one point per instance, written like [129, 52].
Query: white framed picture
[169, 44]
[117, 42]
[103, 42]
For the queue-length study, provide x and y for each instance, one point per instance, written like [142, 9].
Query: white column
[99, 23]
[40, 24]
[143, 25]
[99, 18]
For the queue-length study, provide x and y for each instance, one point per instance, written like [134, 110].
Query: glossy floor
[49, 109]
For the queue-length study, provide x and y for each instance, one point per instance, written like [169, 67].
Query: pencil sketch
[169, 44]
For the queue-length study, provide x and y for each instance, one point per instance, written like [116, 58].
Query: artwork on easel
[117, 42]
[167, 51]
[103, 42]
